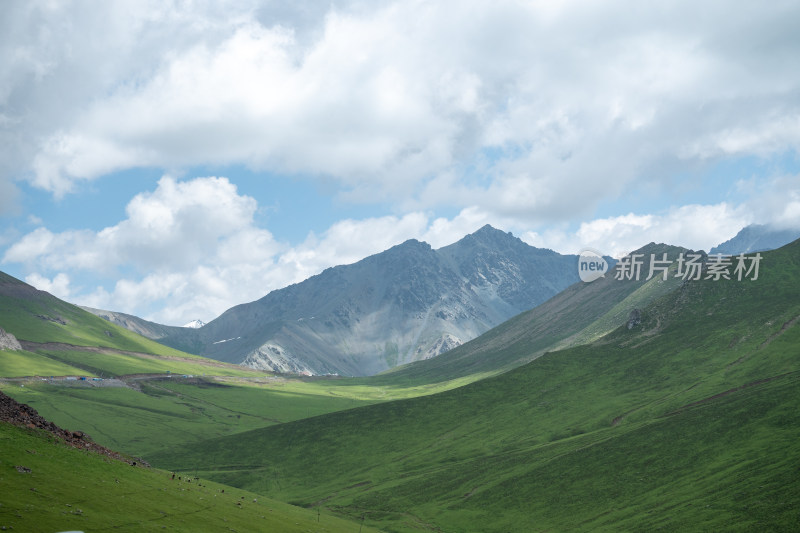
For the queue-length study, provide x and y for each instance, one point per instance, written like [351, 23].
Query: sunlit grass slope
[689, 420]
[137, 415]
[18, 363]
[63, 339]
[40, 317]
[169, 413]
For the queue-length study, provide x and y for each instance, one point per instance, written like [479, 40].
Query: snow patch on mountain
[227, 340]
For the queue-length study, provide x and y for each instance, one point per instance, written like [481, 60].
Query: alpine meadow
[679, 413]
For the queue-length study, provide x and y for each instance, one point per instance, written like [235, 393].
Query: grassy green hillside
[687, 421]
[40, 317]
[24, 363]
[62, 339]
[48, 486]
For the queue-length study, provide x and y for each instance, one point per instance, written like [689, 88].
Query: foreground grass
[729, 464]
[60, 488]
[725, 464]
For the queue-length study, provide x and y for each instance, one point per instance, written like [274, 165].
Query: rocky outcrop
[9, 341]
[634, 319]
[441, 345]
[273, 357]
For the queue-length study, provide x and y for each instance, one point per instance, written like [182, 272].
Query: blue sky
[171, 160]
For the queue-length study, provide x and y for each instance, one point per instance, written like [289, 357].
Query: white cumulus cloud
[194, 242]
[522, 109]
[698, 227]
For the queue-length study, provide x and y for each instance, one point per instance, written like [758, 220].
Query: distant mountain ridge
[145, 328]
[756, 238]
[408, 303]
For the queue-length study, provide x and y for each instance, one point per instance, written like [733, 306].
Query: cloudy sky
[172, 159]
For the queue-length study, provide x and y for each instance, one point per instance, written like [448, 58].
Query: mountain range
[756, 238]
[408, 303]
[651, 402]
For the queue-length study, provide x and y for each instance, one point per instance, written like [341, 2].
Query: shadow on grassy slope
[48, 486]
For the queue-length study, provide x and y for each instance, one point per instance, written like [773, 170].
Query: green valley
[687, 420]
[579, 414]
[404, 267]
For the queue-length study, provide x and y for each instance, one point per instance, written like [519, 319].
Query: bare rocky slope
[8, 341]
[408, 303]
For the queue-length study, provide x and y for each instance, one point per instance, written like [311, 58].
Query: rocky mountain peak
[491, 236]
[410, 245]
[409, 302]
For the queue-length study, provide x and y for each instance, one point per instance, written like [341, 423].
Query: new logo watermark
[694, 266]
[591, 265]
